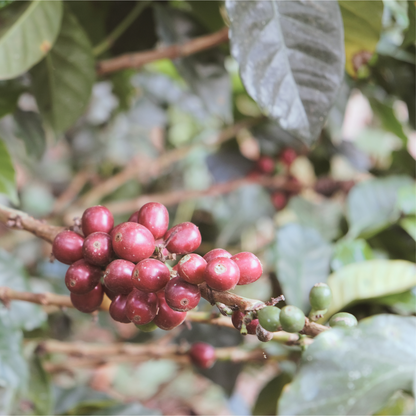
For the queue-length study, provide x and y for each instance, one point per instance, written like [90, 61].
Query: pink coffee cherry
[118, 309]
[90, 301]
[191, 268]
[150, 275]
[82, 277]
[117, 277]
[202, 355]
[183, 238]
[96, 219]
[250, 267]
[167, 318]
[97, 249]
[67, 247]
[266, 164]
[141, 308]
[237, 320]
[181, 296]
[155, 217]
[222, 274]
[217, 252]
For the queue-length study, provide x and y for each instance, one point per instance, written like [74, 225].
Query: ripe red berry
[181, 296]
[202, 355]
[95, 219]
[250, 267]
[279, 200]
[191, 268]
[217, 252]
[222, 274]
[118, 309]
[133, 242]
[183, 238]
[90, 301]
[141, 308]
[237, 320]
[97, 249]
[67, 247]
[265, 164]
[110, 294]
[167, 318]
[134, 217]
[117, 277]
[288, 156]
[82, 277]
[150, 275]
[155, 217]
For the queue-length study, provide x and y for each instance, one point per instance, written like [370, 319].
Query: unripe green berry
[292, 319]
[343, 320]
[320, 297]
[269, 318]
[150, 327]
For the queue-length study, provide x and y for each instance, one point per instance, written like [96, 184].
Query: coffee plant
[207, 207]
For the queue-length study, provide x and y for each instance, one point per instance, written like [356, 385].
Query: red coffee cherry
[141, 308]
[237, 320]
[250, 267]
[118, 309]
[202, 355]
[183, 238]
[67, 247]
[167, 318]
[82, 277]
[90, 301]
[95, 219]
[265, 164]
[160, 242]
[97, 249]
[181, 296]
[155, 217]
[150, 275]
[217, 252]
[279, 200]
[133, 242]
[117, 277]
[288, 156]
[222, 274]
[134, 217]
[111, 295]
[191, 268]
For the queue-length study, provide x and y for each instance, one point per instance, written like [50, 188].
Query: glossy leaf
[362, 28]
[28, 32]
[350, 251]
[353, 372]
[4, 3]
[401, 303]
[406, 200]
[400, 404]
[40, 388]
[9, 95]
[7, 175]
[369, 279]
[62, 82]
[409, 225]
[291, 59]
[303, 258]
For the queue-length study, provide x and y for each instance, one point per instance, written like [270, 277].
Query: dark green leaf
[409, 225]
[350, 251]
[401, 303]
[291, 58]
[9, 95]
[208, 13]
[40, 389]
[354, 372]
[406, 200]
[62, 82]
[303, 258]
[410, 35]
[4, 3]
[28, 31]
[7, 175]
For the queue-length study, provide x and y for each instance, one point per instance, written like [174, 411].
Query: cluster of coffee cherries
[128, 263]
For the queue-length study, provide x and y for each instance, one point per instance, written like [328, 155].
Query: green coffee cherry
[343, 320]
[320, 297]
[150, 327]
[269, 318]
[292, 319]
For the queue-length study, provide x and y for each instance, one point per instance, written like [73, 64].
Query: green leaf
[9, 95]
[20, 314]
[303, 258]
[7, 175]
[372, 205]
[409, 225]
[30, 130]
[401, 303]
[350, 251]
[62, 82]
[208, 13]
[354, 372]
[28, 31]
[4, 3]
[410, 35]
[127, 409]
[369, 279]
[40, 388]
[362, 28]
[406, 200]
[291, 58]
[399, 404]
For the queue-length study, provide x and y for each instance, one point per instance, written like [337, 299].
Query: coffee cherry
[217, 252]
[167, 318]
[95, 219]
[202, 355]
[343, 320]
[141, 308]
[150, 275]
[288, 156]
[222, 274]
[265, 164]
[250, 267]
[320, 297]
[111, 295]
[181, 296]
[292, 319]
[81, 277]
[160, 243]
[269, 318]
[183, 238]
[134, 217]
[90, 301]
[133, 242]
[117, 277]
[191, 268]
[97, 249]
[263, 335]
[150, 327]
[237, 320]
[67, 247]
[279, 200]
[118, 309]
[155, 217]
